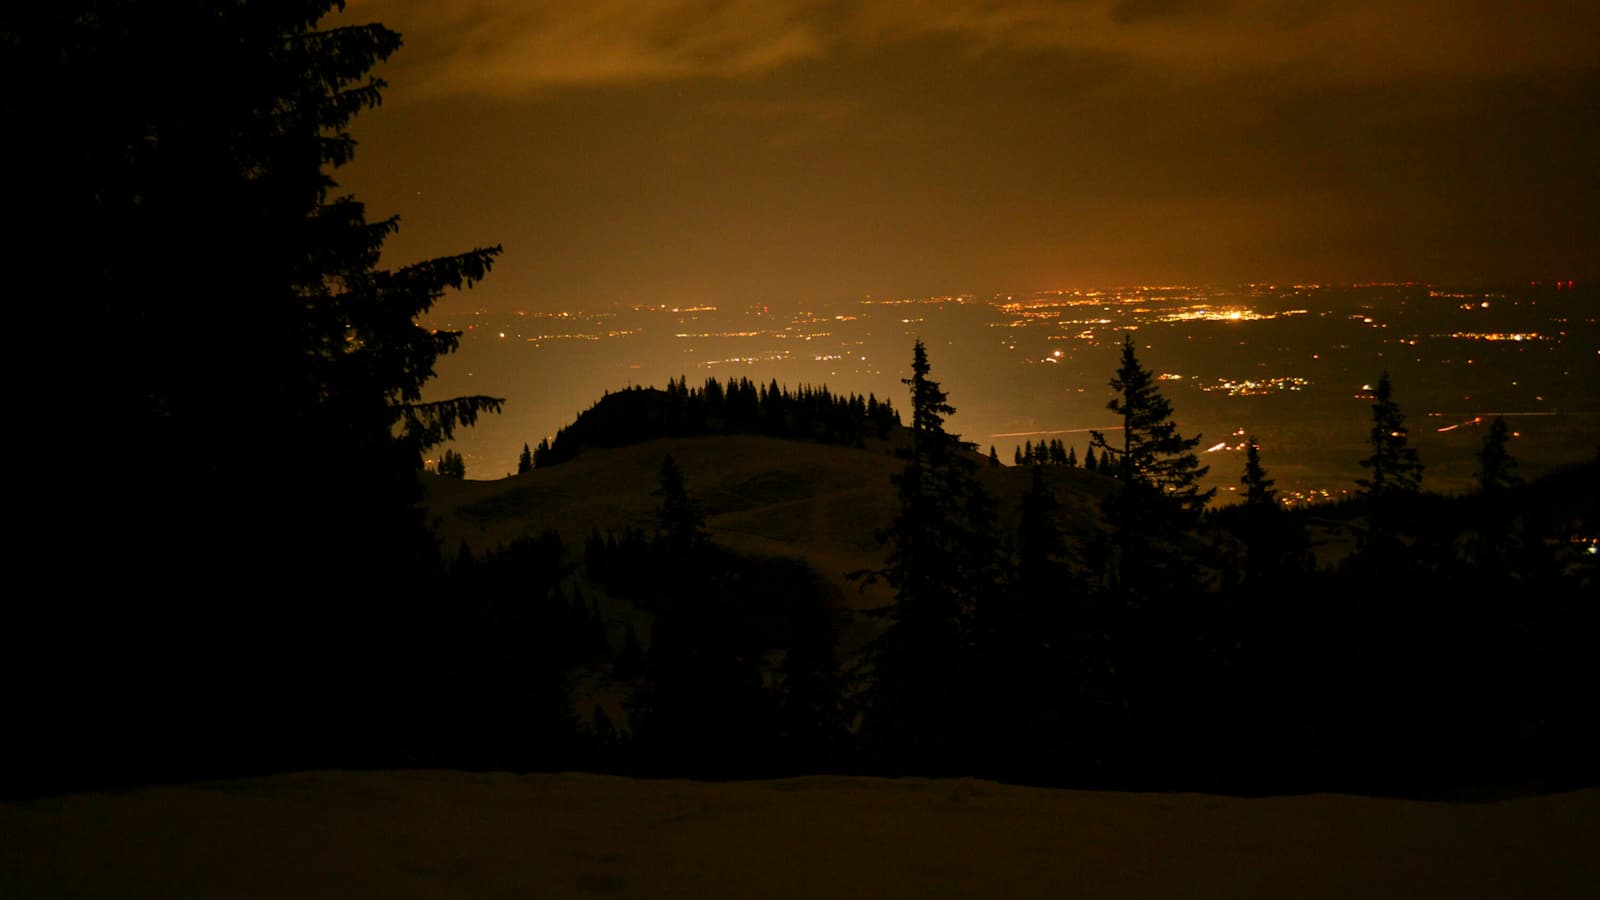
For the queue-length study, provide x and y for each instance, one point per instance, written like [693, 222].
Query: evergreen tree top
[1258, 487]
[929, 407]
[1495, 462]
[1393, 467]
[1152, 451]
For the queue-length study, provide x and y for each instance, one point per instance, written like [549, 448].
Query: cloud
[1126, 12]
[1339, 40]
[521, 47]
[516, 47]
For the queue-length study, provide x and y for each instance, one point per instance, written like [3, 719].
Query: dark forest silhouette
[232, 552]
[740, 407]
[1175, 649]
[252, 584]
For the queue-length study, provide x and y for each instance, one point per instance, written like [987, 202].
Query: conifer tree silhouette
[263, 375]
[678, 518]
[1258, 487]
[452, 465]
[942, 565]
[1276, 545]
[1150, 452]
[1148, 562]
[1393, 468]
[700, 709]
[1495, 462]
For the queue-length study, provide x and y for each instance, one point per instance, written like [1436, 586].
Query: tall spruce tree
[229, 314]
[1276, 544]
[1258, 490]
[943, 564]
[700, 709]
[1393, 468]
[1501, 547]
[1496, 465]
[679, 522]
[1152, 574]
[1150, 451]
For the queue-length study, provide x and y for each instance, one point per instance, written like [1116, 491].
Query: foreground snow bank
[438, 834]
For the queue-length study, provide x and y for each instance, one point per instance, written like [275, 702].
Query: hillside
[437, 834]
[760, 495]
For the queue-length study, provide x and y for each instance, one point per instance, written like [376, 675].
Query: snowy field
[444, 835]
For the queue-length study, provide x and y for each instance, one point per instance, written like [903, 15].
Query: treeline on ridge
[642, 414]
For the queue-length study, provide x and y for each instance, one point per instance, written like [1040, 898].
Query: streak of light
[1059, 431]
[1481, 415]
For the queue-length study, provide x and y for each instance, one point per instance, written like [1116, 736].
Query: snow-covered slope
[432, 834]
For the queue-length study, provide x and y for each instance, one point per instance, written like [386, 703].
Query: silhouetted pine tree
[1276, 544]
[1393, 467]
[1501, 541]
[1258, 489]
[1162, 645]
[1495, 462]
[700, 709]
[1160, 496]
[678, 519]
[1151, 452]
[943, 564]
[525, 461]
[1390, 490]
[452, 465]
[231, 318]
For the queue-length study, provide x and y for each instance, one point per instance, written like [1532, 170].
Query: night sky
[785, 151]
